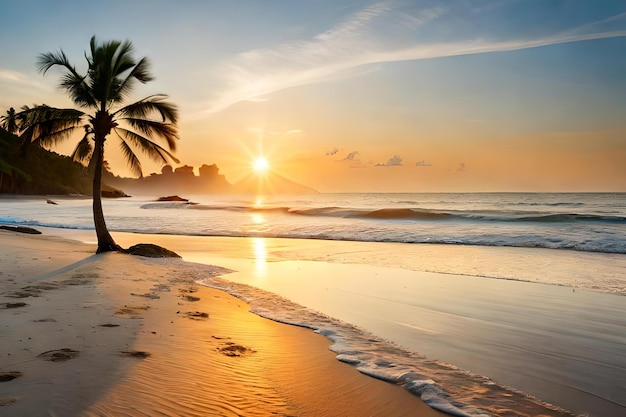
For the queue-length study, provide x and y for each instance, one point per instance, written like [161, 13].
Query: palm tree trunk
[105, 241]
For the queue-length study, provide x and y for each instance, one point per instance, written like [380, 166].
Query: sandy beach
[114, 334]
[522, 337]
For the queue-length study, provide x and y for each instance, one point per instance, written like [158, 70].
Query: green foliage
[39, 171]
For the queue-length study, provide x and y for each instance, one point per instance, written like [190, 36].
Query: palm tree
[112, 73]
[9, 121]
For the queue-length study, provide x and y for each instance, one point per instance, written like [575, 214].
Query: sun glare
[261, 165]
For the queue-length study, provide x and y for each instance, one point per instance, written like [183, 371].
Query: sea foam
[440, 385]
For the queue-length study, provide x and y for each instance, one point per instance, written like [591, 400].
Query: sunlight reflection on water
[260, 256]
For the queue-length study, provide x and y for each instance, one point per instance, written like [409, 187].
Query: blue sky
[489, 95]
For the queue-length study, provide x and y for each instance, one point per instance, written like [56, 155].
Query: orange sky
[388, 96]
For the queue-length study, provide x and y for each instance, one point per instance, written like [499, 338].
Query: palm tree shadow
[65, 269]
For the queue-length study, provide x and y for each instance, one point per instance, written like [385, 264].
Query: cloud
[385, 32]
[22, 80]
[394, 161]
[11, 75]
[423, 163]
[332, 152]
[350, 157]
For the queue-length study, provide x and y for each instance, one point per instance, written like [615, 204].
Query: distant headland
[182, 180]
[42, 172]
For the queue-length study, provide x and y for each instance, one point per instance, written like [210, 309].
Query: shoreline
[139, 326]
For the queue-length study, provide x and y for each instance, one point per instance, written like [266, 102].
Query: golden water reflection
[258, 218]
[260, 256]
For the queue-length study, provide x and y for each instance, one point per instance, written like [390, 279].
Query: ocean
[584, 222]
[524, 289]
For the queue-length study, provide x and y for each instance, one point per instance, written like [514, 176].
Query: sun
[261, 165]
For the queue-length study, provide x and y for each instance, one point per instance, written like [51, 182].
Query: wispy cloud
[17, 78]
[423, 163]
[10, 75]
[383, 32]
[394, 161]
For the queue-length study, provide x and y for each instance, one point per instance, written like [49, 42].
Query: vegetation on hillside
[39, 171]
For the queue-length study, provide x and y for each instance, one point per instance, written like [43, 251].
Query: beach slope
[114, 334]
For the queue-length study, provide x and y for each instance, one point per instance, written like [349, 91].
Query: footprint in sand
[139, 354]
[5, 306]
[234, 350]
[161, 288]
[131, 312]
[146, 295]
[32, 290]
[7, 401]
[59, 355]
[9, 376]
[197, 315]
[24, 293]
[190, 298]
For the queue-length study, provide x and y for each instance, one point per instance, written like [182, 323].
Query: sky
[358, 96]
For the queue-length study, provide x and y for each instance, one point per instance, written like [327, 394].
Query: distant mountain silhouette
[270, 183]
[182, 180]
[44, 172]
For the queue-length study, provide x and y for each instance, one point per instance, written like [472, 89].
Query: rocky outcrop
[181, 180]
[21, 229]
[112, 192]
[151, 251]
[172, 198]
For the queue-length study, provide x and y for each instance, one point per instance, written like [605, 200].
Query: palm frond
[144, 108]
[122, 59]
[47, 125]
[140, 72]
[154, 151]
[151, 128]
[101, 72]
[83, 151]
[71, 81]
[132, 160]
[47, 60]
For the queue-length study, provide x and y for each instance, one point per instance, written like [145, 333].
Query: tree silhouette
[9, 121]
[112, 72]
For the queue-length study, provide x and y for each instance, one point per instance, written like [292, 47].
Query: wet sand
[113, 334]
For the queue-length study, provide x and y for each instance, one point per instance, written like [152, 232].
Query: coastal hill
[39, 171]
